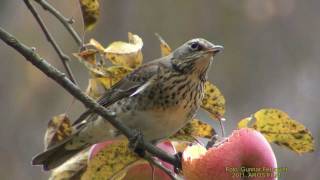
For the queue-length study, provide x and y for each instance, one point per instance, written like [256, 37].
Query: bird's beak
[215, 49]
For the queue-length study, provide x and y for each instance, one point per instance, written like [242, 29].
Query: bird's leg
[135, 143]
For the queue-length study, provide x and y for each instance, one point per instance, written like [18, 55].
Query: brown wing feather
[126, 86]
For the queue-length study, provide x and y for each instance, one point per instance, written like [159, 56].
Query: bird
[158, 98]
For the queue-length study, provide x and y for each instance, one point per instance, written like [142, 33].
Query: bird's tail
[55, 156]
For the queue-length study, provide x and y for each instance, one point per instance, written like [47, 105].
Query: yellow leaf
[96, 44]
[279, 128]
[87, 57]
[213, 101]
[59, 128]
[135, 39]
[73, 168]
[111, 75]
[90, 13]
[110, 161]
[95, 88]
[195, 128]
[126, 54]
[244, 122]
[104, 78]
[164, 47]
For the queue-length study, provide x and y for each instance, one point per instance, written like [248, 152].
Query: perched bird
[158, 99]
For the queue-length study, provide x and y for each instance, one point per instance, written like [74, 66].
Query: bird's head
[195, 56]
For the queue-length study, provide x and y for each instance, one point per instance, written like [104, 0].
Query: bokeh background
[271, 59]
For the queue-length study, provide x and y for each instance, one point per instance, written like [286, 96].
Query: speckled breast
[164, 108]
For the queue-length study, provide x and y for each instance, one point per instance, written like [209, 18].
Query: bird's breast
[162, 110]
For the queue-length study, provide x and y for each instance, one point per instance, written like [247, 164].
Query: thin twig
[222, 127]
[64, 58]
[152, 170]
[158, 164]
[65, 21]
[74, 90]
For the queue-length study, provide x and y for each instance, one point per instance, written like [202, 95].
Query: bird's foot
[135, 143]
[178, 164]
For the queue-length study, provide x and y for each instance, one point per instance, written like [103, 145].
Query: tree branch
[65, 21]
[64, 82]
[64, 58]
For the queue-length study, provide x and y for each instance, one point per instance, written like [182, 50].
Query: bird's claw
[178, 164]
[135, 143]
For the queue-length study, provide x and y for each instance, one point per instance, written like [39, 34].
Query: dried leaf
[126, 54]
[213, 101]
[59, 128]
[279, 128]
[90, 13]
[72, 169]
[104, 78]
[164, 47]
[87, 56]
[112, 75]
[193, 129]
[110, 161]
[96, 44]
[95, 89]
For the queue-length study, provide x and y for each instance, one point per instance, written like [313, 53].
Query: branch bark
[64, 58]
[65, 21]
[74, 90]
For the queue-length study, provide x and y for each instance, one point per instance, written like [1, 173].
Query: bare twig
[152, 170]
[222, 127]
[67, 23]
[64, 82]
[64, 58]
[158, 164]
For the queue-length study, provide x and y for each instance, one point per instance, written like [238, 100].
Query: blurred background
[271, 59]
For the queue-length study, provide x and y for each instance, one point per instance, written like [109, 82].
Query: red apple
[243, 150]
[141, 170]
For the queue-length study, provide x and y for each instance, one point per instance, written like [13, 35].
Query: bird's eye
[195, 46]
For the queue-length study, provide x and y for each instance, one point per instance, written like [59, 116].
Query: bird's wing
[132, 84]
